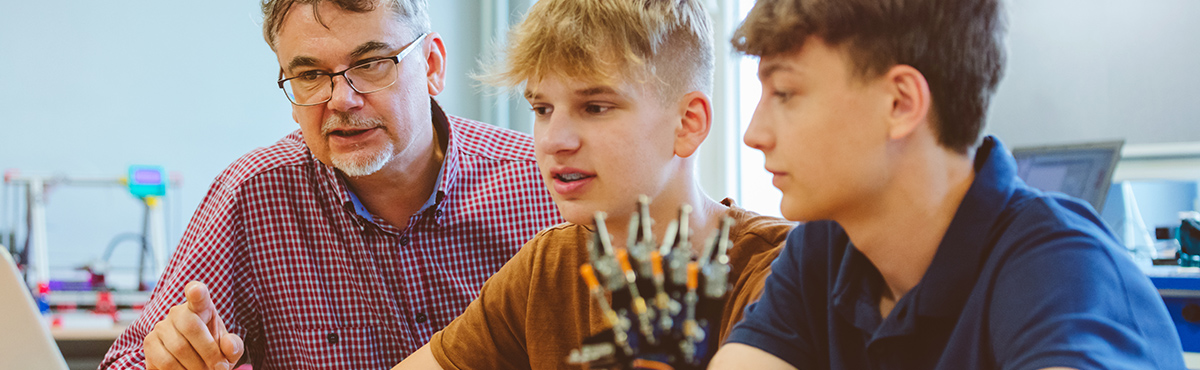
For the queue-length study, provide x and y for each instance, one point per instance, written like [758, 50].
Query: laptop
[1082, 171]
[26, 343]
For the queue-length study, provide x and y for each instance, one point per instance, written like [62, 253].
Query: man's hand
[192, 337]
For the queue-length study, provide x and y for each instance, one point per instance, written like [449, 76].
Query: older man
[349, 243]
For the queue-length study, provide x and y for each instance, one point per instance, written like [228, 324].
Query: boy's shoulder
[558, 236]
[1056, 265]
[755, 236]
[558, 250]
[751, 226]
[1043, 223]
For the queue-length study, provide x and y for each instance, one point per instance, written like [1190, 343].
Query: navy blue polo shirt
[1021, 280]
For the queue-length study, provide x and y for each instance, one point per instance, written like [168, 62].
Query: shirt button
[332, 338]
[421, 318]
[437, 213]
[404, 241]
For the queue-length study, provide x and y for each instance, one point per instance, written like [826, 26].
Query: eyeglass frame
[395, 61]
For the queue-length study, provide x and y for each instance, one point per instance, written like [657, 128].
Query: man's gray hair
[414, 13]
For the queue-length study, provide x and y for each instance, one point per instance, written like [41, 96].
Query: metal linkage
[664, 295]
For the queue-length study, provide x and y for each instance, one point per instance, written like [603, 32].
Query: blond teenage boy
[620, 89]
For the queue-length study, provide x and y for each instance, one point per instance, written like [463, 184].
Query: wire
[176, 193]
[117, 240]
[167, 217]
[11, 210]
[145, 247]
[24, 254]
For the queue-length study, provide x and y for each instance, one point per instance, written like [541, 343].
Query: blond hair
[663, 42]
[411, 12]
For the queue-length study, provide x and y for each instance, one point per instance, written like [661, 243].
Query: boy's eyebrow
[769, 68]
[595, 90]
[584, 92]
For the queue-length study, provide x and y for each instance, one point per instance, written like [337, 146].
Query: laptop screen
[1082, 171]
[26, 342]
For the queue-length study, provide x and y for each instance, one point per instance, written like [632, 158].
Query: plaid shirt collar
[445, 180]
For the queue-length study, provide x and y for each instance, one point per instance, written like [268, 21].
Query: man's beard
[359, 162]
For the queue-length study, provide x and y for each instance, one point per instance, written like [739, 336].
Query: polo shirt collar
[943, 290]
[968, 241]
[856, 291]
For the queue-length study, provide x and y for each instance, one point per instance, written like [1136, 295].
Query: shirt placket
[410, 268]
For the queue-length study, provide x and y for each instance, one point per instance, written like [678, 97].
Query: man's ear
[911, 100]
[435, 58]
[695, 122]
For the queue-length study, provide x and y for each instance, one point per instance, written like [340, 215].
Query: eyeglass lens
[318, 87]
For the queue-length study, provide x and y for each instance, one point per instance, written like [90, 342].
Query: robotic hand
[666, 299]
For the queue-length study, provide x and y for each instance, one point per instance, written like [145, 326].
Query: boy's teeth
[571, 176]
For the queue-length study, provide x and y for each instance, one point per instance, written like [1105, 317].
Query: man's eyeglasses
[316, 87]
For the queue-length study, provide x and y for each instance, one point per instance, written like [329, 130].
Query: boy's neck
[705, 217]
[900, 230]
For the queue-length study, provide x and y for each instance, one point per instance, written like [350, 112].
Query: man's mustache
[346, 121]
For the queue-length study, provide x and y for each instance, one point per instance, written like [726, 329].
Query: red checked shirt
[312, 280]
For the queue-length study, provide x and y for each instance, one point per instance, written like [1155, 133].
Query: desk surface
[1175, 281]
[87, 326]
[1171, 271]
[109, 334]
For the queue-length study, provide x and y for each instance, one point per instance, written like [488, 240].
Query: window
[756, 191]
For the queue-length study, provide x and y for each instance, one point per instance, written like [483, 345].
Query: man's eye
[309, 76]
[783, 96]
[375, 66]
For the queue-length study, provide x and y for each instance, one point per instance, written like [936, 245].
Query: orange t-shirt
[536, 309]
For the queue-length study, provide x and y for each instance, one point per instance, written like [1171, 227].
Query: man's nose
[343, 97]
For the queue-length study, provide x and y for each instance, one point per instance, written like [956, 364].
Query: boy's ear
[911, 100]
[695, 122]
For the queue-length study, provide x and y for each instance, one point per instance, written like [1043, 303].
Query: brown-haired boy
[921, 249]
[620, 89]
